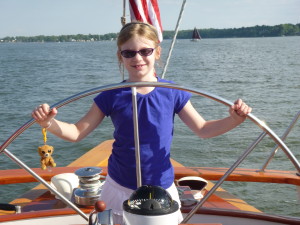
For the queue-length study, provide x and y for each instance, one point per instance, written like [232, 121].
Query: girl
[138, 49]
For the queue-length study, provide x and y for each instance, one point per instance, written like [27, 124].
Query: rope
[44, 132]
[174, 38]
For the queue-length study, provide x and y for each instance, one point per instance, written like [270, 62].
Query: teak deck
[39, 198]
[38, 202]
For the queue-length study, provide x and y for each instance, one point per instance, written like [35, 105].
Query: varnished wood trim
[39, 214]
[241, 175]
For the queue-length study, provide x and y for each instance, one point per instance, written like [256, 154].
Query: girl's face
[140, 68]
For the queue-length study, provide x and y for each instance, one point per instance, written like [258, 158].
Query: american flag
[146, 11]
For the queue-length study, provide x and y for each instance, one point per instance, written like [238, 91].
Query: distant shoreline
[243, 32]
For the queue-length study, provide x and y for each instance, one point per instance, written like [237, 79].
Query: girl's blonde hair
[141, 29]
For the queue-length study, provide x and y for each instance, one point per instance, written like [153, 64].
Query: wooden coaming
[209, 173]
[40, 197]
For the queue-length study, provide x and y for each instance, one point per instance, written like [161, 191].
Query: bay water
[264, 72]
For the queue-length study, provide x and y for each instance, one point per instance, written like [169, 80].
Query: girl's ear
[157, 52]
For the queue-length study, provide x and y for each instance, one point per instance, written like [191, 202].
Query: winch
[89, 189]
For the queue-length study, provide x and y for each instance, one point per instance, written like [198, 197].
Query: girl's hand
[43, 115]
[239, 110]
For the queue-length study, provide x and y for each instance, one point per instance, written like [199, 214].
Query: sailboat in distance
[196, 36]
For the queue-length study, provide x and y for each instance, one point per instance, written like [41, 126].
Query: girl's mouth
[138, 66]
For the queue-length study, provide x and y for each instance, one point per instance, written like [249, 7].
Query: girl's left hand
[239, 110]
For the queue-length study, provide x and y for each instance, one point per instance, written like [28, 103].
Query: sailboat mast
[123, 18]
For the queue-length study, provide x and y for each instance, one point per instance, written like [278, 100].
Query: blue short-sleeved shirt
[156, 111]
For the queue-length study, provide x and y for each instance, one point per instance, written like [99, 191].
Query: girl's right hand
[43, 115]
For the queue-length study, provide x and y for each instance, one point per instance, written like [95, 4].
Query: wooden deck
[39, 198]
[39, 201]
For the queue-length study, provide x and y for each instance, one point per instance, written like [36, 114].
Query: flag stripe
[146, 11]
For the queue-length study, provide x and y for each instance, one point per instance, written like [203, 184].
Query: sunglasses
[142, 52]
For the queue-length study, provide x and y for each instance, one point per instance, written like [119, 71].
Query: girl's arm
[212, 128]
[70, 132]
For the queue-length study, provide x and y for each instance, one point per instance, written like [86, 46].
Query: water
[265, 72]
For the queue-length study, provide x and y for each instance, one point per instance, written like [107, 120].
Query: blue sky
[55, 17]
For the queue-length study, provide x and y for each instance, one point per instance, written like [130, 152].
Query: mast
[123, 18]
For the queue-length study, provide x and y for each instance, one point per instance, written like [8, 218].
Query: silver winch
[89, 186]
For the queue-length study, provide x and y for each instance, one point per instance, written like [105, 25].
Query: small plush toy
[46, 152]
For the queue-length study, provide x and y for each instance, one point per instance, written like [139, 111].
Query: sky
[61, 17]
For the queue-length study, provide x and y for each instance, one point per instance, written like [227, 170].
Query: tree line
[256, 31]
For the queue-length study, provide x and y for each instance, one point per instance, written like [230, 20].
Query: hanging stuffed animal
[46, 152]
